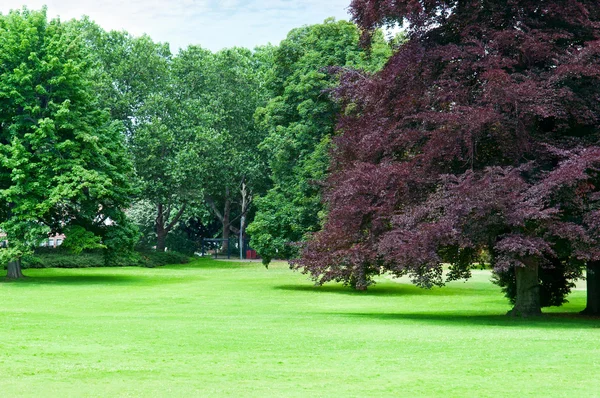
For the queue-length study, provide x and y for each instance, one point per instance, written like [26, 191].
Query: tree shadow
[381, 290]
[207, 264]
[75, 280]
[566, 320]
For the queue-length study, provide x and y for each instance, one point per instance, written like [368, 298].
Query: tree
[479, 135]
[169, 154]
[167, 136]
[227, 87]
[63, 162]
[299, 121]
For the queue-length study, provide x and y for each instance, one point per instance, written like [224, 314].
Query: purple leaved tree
[481, 135]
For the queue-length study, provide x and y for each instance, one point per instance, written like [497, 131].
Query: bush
[555, 283]
[156, 259]
[64, 260]
[57, 258]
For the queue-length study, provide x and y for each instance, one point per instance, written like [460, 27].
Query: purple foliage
[481, 133]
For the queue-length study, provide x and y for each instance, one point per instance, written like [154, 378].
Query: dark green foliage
[59, 258]
[555, 283]
[179, 241]
[156, 259]
[299, 120]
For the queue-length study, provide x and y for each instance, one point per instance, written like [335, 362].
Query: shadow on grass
[381, 290]
[75, 280]
[207, 264]
[550, 320]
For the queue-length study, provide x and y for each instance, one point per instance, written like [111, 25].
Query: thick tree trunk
[359, 278]
[162, 228]
[161, 239]
[593, 289]
[13, 270]
[528, 290]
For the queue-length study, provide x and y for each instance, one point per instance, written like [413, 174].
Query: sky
[213, 24]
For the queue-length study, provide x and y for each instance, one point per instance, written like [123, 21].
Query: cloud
[213, 24]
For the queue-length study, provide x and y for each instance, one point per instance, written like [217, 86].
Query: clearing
[213, 328]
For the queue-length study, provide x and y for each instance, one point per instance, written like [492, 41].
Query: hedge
[56, 258]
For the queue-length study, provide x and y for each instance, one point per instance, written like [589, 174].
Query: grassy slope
[235, 329]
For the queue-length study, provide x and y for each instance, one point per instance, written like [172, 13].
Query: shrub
[58, 258]
[156, 259]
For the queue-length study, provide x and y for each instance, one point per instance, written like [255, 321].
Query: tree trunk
[161, 239]
[226, 222]
[528, 290]
[162, 228]
[593, 289]
[246, 199]
[161, 233]
[13, 270]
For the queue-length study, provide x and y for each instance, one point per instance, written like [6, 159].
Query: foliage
[299, 120]
[222, 91]
[157, 259]
[169, 138]
[556, 283]
[60, 258]
[78, 239]
[62, 158]
[479, 134]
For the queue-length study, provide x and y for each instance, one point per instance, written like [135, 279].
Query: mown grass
[235, 329]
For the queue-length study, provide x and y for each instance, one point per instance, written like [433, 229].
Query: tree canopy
[299, 120]
[62, 158]
[478, 137]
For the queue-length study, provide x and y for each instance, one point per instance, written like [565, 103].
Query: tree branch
[211, 203]
[177, 217]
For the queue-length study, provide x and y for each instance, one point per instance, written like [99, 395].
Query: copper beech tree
[479, 137]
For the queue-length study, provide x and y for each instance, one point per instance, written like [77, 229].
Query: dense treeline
[472, 139]
[299, 120]
[118, 143]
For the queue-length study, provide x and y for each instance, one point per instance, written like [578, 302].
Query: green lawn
[236, 329]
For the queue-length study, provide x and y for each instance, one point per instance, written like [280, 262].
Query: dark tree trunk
[13, 270]
[528, 290]
[162, 228]
[161, 234]
[358, 280]
[593, 289]
[161, 239]
[226, 221]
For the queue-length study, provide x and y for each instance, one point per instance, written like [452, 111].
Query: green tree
[62, 158]
[221, 91]
[167, 138]
[299, 120]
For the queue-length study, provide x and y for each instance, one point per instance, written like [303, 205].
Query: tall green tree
[166, 135]
[62, 158]
[221, 91]
[299, 120]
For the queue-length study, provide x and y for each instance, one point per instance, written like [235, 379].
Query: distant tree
[299, 120]
[167, 137]
[63, 162]
[480, 134]
[224, 89]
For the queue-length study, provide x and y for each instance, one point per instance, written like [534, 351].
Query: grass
[235, 329]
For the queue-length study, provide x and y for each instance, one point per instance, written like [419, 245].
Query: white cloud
[213, 24]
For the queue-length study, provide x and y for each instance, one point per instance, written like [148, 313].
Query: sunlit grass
[236, 329]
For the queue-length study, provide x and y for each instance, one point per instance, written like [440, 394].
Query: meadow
[213, 328]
